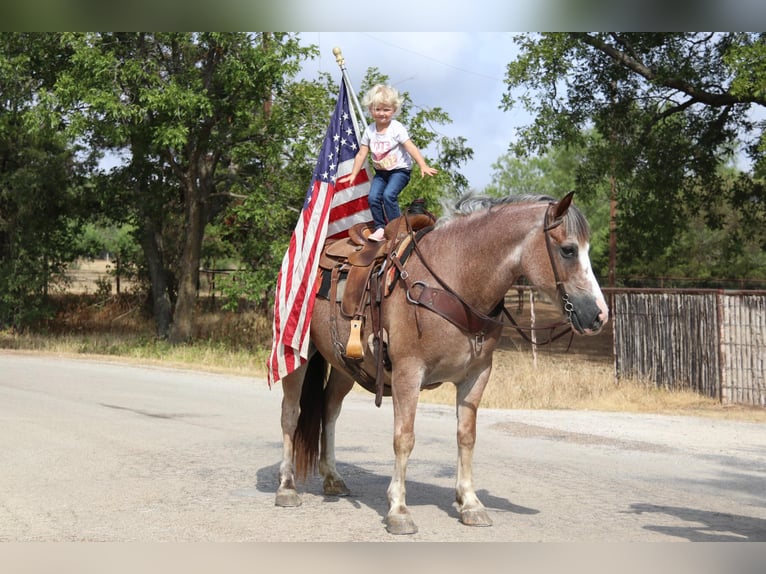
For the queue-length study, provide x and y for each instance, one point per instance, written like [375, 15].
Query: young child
[392, 156]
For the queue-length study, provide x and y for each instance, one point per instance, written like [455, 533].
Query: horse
[471, 258]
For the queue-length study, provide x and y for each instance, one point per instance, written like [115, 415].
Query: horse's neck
[480, 255]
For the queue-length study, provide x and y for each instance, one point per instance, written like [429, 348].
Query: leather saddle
[356, 267]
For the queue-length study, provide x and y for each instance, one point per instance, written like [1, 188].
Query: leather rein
[451, 306]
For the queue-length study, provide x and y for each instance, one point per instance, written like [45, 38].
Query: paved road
[103, 451]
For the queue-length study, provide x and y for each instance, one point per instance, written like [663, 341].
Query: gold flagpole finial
[339, 56]
[342, 65]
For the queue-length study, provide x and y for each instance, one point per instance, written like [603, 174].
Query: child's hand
[427, 170]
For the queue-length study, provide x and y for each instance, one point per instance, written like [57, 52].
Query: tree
[273, 177]
[729, 254]
[275, 214]
[43, 196]
[184, 108]
[115, 242]
[554, 173]
[670, 110]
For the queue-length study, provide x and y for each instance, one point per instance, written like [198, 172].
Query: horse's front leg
[405, 401]
[338, 386]
[472, 511]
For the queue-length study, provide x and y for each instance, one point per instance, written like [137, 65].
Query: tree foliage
[43, 196]
[553, 173]
[211, 140]
[729, 254]
[199, 117]
[277, 214]
[670, 110]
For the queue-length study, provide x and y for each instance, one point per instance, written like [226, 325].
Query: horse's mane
[471, 202]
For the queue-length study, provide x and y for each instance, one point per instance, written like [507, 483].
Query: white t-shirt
[386, 150]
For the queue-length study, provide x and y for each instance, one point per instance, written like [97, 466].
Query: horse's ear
[563, 205]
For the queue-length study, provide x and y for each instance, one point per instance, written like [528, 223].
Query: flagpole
[342, 65]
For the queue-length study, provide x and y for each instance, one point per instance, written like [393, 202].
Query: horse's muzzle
[588, 316]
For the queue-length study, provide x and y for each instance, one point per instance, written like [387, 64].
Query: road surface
[104, 451]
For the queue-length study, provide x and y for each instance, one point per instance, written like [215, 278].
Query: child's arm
[359, 158]
[413, 150]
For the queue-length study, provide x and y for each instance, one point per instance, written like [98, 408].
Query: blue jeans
[384, 195]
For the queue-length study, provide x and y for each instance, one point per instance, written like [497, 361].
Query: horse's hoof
[287, 498]
[400, 524]
[475, 517]
[332, 487]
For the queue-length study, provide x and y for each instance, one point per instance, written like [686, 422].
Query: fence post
[720, 339]
[533, 333]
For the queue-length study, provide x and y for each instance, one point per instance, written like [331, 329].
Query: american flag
[330, 209]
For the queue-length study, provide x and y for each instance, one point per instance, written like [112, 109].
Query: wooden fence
[711, 341]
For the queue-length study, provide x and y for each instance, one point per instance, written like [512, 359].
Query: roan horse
[472, 256]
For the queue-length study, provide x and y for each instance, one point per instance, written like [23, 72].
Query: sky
[460, 72]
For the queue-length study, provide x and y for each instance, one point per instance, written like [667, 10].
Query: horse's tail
[307, 433]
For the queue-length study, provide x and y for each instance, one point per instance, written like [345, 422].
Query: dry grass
[203, 355]
[517, 383]
[572, 383]
[118, 329]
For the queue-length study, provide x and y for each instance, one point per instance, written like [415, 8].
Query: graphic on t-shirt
[386, 150]
[383, 156]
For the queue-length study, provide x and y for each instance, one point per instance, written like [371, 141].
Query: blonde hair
[383, 94]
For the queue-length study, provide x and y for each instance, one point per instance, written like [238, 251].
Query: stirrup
[354, 345]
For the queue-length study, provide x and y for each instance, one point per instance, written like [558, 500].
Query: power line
[472, 72]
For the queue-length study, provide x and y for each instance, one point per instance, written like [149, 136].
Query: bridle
[549, 223]
[475, 322]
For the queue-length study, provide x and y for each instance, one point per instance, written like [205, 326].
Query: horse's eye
[569, 251]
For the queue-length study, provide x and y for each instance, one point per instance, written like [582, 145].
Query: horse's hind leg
[472, 511]
[338, 386]
[292, 384]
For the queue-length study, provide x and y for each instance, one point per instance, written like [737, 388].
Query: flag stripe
[324, 203]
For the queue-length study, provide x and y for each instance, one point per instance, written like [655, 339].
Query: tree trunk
[161, 304]
[197, 190]
[188, 276]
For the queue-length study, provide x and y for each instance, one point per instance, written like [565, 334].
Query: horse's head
[564, 271]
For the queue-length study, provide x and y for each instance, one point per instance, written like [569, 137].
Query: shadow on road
[704, 525]
[369, 488]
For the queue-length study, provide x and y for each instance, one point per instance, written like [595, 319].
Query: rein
[450, 305]
[551, 328]
[446, 302]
